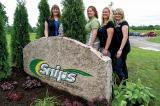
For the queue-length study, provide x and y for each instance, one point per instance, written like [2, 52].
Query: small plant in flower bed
[31, 83]
[14, 96]
[133, 94]
[47, 101]
[8, 85]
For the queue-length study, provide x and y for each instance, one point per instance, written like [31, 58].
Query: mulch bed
[29, 95]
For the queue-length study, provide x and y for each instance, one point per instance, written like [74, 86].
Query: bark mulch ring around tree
[21, 90]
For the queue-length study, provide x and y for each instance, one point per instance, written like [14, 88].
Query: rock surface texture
[69, 65]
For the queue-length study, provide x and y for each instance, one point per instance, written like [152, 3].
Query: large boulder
[69, 65]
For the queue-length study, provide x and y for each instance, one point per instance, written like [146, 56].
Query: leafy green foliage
[9, 29]
[73, 19]
[47, 101]
[4, 67]
[44, 14]
[3, 14]
[20, 34]
[132, 94]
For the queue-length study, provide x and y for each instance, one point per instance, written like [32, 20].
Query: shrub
[73, 19]
[133, 94]
[4, 67]
[20, 34]
[44, 14]
[47, 101]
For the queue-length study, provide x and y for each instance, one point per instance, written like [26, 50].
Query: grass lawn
[8, 37]
[155, 39]
[145, 65]
[32, 38]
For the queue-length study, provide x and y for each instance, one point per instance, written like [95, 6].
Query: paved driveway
[141, 42]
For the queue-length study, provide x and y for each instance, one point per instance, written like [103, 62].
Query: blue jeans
[120, 67]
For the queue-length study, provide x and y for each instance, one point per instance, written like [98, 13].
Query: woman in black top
[52, 23]
[121, 44]
[105, 32]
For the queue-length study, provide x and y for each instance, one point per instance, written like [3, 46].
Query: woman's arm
[124, 40]
[94, 36]
[46, 29]
[110, 32]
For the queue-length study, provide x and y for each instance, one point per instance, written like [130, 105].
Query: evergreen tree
[20, 34]
[9, 29]
[73, 19]
[4, 68]
[44, 14]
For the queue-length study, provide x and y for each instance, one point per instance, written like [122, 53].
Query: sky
[137, 12]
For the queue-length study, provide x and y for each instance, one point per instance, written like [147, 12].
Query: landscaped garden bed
[23, 95]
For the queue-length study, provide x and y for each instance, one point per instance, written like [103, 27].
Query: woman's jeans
[120, 67]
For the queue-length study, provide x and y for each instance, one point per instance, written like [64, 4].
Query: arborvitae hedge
[4, 67]
[73, 19]
[44, 13]
[20, 35]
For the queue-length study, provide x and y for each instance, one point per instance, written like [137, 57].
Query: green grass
[145, 65]
[155, 39]
[32, 36]
[8, 37]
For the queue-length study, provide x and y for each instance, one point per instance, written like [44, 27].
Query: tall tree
[73, 19]
[4, 68]
[20, 34]
[44, 14]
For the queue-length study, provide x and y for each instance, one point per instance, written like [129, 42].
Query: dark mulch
[29, 95]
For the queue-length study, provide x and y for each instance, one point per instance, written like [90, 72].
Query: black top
[53, 27]
[118, 36]
[103, 35]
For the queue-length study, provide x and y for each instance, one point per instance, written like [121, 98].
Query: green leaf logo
[35, 66]
[36, 63]
[75, 71]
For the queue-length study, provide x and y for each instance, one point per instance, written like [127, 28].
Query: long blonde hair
[110, 18]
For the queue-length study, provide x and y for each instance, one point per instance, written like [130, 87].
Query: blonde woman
[92, 27]
[52, 24]
[121, 44]
[105, 32]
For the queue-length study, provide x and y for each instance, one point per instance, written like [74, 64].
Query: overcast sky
[137, 12]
